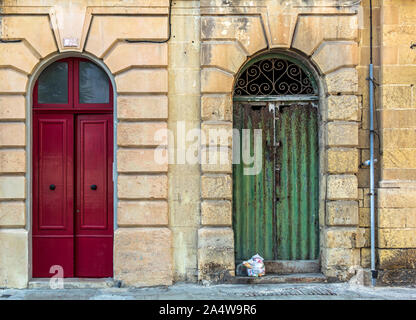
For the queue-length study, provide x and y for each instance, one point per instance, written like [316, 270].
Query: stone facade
[174, 220]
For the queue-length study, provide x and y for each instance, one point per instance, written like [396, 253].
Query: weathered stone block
[12, 81]
[364, 214]
[216, 81]
[343, 134]
[215, 253]
[398, 119]
[397, 238]
[142, 107]
[142, 160]
[363, 238]
[397, 258]
[21, 27]
[216, 213]
[227, 56]
[142, 187]
[396, 198]
[399, 158]
[140, 213]
[343, 160]
[143, 256]
[344, 80]
[365, 257]
[399, 138]
[12, 134]
[127, 55]
[216, 187]
[12, 214]
[332, 56]
[12, 107]
[12, 187]
[399, 74]
[342, 213]
[216, 160]
[340, 257]
[342, 187]
[103, 33]
[312, 30]
[247, 30]
[12, 161]
[282, 25]
[395, 96]
[340, 238]
[218, 134]
[142, 80]
[17, 55]
[397, 217]
[344, 107]
[142, 134]
[216, 107]
[14, 258]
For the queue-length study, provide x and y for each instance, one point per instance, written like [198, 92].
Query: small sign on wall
[71, 42]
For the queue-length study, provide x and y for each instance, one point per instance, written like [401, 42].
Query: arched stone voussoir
[228, 56]
[105, 31]
[126, 55]
[17, 56]
[311, 31]
[34, 29]
[334, 55]
[282, 26]
[214, 80]
[248, 30]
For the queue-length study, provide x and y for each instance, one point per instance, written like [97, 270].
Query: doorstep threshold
[280, 278]
[74, 283]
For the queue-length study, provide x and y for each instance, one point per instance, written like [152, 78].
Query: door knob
[94, 187]
[52, 187]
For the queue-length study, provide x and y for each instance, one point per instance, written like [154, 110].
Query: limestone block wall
[397, 188]
[326, 37]
[142, 240]
[174, 220]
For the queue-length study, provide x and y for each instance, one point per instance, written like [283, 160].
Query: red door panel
[53, 190]
[94, 196]
[72, 170]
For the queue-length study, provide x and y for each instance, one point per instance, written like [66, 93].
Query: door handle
[52, 187]
[94, 187]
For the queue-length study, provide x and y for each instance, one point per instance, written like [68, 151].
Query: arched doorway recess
[275, 210]
[72, 186]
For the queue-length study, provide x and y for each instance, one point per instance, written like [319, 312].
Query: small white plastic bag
[255, 266]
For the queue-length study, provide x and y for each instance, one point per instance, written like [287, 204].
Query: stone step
[281, 278]
[75, 283]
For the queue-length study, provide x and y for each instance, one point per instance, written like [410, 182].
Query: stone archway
[275, 208]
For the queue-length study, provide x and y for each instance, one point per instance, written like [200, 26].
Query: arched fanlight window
[275, 76]
[73, 83]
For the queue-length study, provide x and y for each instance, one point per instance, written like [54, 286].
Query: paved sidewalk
[334, 291]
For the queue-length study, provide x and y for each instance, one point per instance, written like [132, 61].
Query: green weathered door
[276, 210]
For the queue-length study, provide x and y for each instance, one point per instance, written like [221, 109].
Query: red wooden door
[72, 171]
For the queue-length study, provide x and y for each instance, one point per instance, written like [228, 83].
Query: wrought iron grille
[274, 77]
